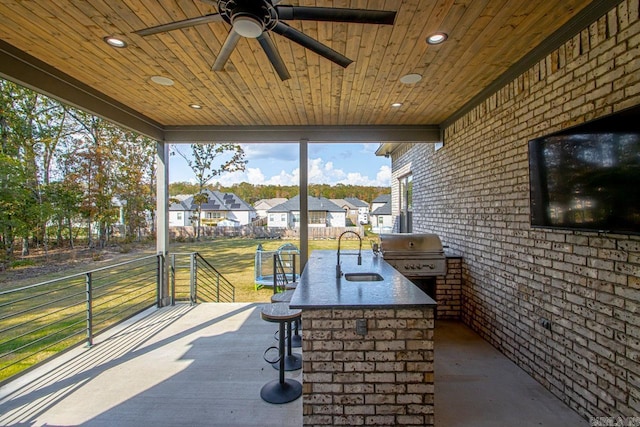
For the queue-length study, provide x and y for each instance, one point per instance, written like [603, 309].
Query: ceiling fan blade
[228, 46]
[334, 14]
[212, 17]
[274, 56]
[311, 44]
[211, 2]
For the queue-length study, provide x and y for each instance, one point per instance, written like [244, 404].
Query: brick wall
[449, 291]
[382, 378]
[474, 193]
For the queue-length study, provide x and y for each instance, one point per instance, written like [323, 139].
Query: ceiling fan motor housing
[248, 14]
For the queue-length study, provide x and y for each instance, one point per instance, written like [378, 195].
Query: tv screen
[588, 177]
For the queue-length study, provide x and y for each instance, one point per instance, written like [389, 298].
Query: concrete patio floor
[203, 366]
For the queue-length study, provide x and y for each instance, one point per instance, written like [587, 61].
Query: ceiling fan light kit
[247, 27]
[255, 19]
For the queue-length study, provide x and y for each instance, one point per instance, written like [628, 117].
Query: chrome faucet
[338, 268]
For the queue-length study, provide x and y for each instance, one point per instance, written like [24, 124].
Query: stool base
[296, 341]
[292, 362]
[277, 392]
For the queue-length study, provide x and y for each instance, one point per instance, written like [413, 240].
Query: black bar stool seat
[283, 389]
[290, 286]
[282, 296]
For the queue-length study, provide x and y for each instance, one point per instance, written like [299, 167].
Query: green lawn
[234, 258]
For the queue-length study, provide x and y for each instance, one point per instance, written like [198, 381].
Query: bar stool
[283, 389]
[282, 292]
[291, 362]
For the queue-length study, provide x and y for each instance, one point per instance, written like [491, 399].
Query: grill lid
[410, 244]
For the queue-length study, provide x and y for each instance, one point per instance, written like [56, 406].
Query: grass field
[234, 258]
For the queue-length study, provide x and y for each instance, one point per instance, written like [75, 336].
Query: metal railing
[41, 320]
[194, 279]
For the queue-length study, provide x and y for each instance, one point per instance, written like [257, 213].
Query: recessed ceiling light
[410, 79]
[396, 104]
[160, 80]
[115, 42]
[437, 38]
[196, 106]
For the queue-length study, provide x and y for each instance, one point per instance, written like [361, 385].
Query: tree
[57, 163]
[135, 182]
[96, 140]
[65, 198]
[208, 161]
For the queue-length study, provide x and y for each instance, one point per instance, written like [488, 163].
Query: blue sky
[277, 164]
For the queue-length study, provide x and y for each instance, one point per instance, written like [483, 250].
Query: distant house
[263, 205]
[357, 210]
[322, 213]
[224, 209]
[180, 214]
[381, 217]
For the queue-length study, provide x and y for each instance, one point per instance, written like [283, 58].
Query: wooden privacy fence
[261, 232]
[320, 233]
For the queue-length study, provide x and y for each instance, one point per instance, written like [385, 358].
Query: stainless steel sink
[363, 277]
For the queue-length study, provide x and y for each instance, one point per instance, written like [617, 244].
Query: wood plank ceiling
[486, 37]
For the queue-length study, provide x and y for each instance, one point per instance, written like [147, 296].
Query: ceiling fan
[257, 18]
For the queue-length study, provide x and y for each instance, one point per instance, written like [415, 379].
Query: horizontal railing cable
[42, 319]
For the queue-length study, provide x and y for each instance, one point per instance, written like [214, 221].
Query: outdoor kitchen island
[367, 343]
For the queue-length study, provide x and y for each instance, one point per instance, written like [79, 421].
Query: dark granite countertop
[319, 287]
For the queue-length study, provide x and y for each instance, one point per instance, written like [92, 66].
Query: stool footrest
[272, 362]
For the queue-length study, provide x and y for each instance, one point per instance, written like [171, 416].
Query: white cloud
[383, 177]
[320, 172]
[266, 156]
[254, 175]
[284, 178]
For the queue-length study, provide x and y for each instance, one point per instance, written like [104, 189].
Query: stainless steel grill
[415, 255]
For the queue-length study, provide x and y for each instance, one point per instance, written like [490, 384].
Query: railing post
[159, 264]
[217, 288]
[275, 273]
[293, 262]
[89, 296]
[193, 291]
[172, 273]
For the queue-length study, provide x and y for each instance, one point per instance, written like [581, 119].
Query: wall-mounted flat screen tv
[588, 177]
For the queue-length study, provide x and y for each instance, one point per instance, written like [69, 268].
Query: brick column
[384, 377]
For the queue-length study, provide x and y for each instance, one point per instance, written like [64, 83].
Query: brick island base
[384, 377]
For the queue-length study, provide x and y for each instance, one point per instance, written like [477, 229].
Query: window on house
[406, 203]
[179, 216]
[316, 217]
[283, 217]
